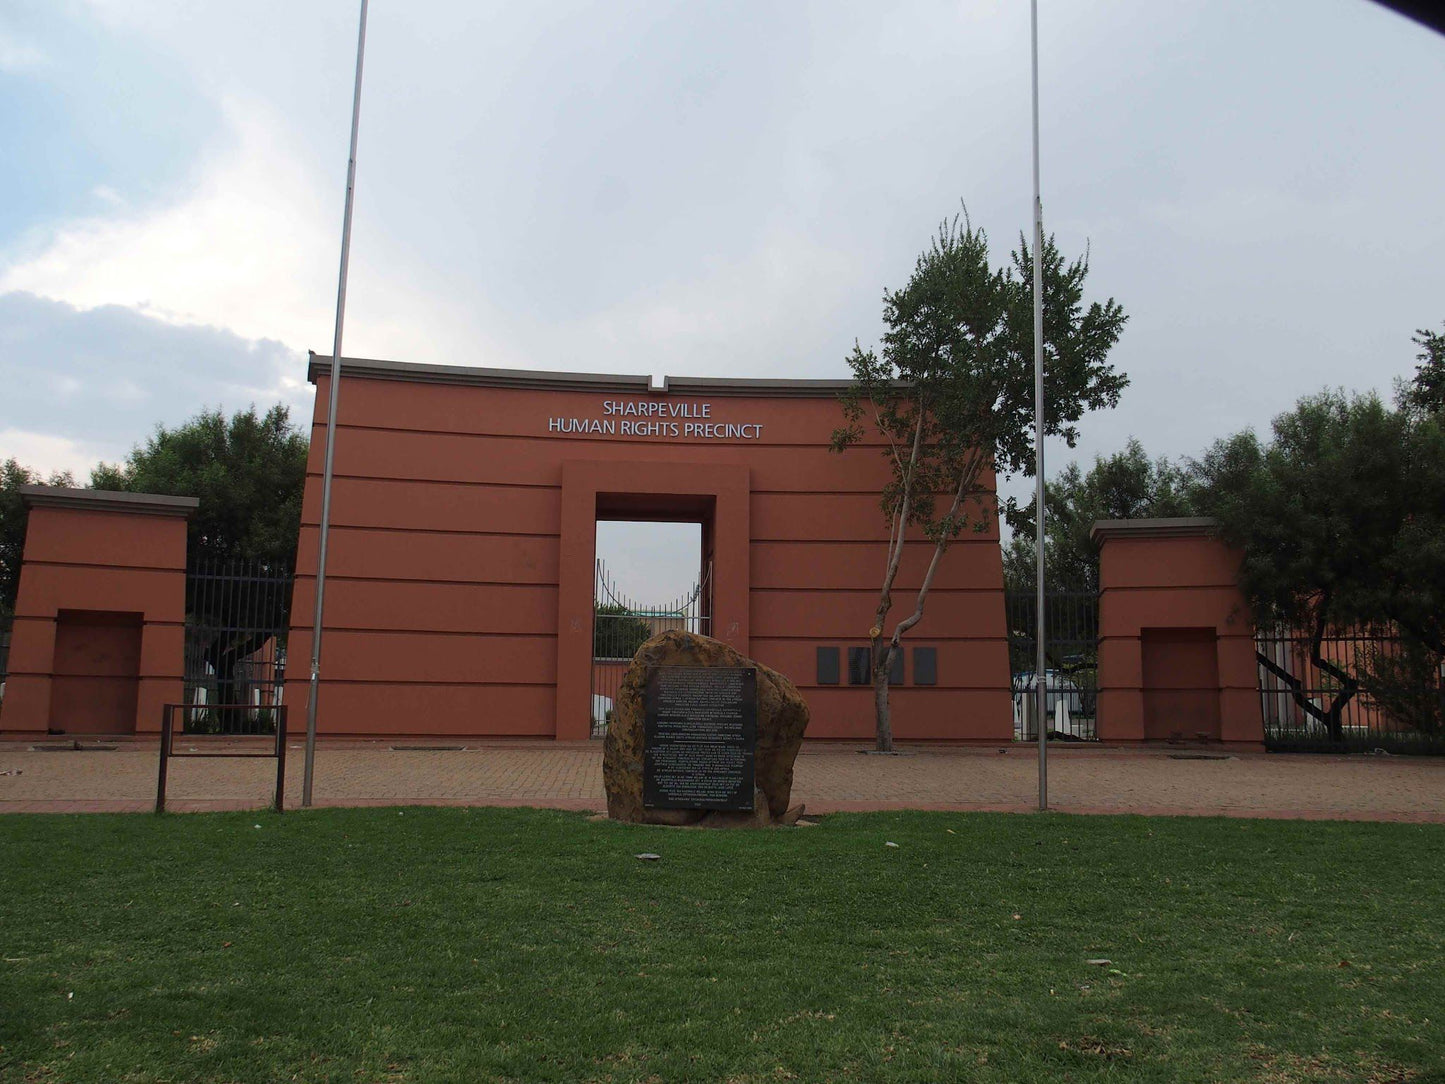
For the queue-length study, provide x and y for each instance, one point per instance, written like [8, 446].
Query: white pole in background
[1040, 660]
[334, 389]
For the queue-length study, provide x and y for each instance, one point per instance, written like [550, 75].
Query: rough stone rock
[782, 718]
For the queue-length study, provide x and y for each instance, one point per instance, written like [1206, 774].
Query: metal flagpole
[1040, 668]
[334, 389]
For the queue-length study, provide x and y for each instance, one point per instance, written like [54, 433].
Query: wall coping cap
[412, 372]
[1170, 527]
[105, 500]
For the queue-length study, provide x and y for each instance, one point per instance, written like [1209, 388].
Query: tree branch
[965, 485]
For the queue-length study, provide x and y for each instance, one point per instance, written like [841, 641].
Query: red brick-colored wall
[98, 640]
[1176, 641]
[460, 574]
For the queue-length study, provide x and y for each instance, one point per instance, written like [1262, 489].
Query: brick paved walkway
[829, 778]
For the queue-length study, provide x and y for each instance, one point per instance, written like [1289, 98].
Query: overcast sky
[697, 189]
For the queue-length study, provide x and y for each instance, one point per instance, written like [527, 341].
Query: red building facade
[460, 576]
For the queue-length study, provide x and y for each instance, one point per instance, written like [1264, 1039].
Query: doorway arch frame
[583, 481]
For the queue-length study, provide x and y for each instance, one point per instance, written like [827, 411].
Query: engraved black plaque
[700, 734]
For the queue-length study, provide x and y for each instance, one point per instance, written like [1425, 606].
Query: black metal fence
[229, 751]
[1356, 690]
[620, 626]
[4, 648]
[237, 614]
[1071, 678]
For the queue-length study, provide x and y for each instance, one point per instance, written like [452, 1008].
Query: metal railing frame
[168, 752]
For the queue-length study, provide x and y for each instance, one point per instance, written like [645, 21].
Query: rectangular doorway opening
[1180, 683]
[653, 575]
[97, 672]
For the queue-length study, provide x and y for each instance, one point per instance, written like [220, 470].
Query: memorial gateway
[460, 578]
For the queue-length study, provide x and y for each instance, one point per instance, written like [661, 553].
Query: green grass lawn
[520, 945]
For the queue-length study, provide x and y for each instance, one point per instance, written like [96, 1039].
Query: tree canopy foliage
[617, 632]
[12, 525]
[1341, 522]
[950, 395]
[1125, 485]
[249, 472]
[1426, 390]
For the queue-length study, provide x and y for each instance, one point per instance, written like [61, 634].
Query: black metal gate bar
[1071, 681]
[168, 753]
[1398, 704]
[237, 617]
[620, 626]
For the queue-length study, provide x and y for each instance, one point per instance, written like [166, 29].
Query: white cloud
[768, 309]
[100, 379]
[47, 453]
[242, 249]
[18, 56]
[250, 245]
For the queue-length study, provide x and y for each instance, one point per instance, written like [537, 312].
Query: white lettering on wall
[655, 408]
[654, 418]
[581, 425]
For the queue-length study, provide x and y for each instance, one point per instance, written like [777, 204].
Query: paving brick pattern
[829, 778]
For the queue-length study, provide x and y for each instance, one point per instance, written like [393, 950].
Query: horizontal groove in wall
[1136, 637]
[1113, 687]
[572, 438]
[105, 567]
[862, 638]
[906, 686]
[94, 677]
[831, 493]
[403, 683]
[312, 525]
[52, 619]
[873, 591]
[879, 542]
[332, 577]
[1226, 586]
[372, 630]
[457, 483]
[462, 483]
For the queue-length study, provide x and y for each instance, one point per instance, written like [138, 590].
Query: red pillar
[1176, 641]
[95, 561]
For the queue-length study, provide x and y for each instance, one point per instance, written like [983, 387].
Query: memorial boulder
[701, 735]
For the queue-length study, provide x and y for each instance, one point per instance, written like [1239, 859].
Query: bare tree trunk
[1333, 716]
[883, 712]
[882, 655]
[882, 719]
[1348, 685]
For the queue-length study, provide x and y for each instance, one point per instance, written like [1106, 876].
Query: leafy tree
[1125, 485]
[249, 472]
[951, 395]
[12, 526]
[1402, 677]
[1341, 522]
[619, 633]
[1426, 391]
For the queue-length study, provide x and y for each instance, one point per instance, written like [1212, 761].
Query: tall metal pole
[1041, 680]
[334, 388]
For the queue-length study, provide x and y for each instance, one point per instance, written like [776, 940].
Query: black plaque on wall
[700, 735]
[925, 666]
